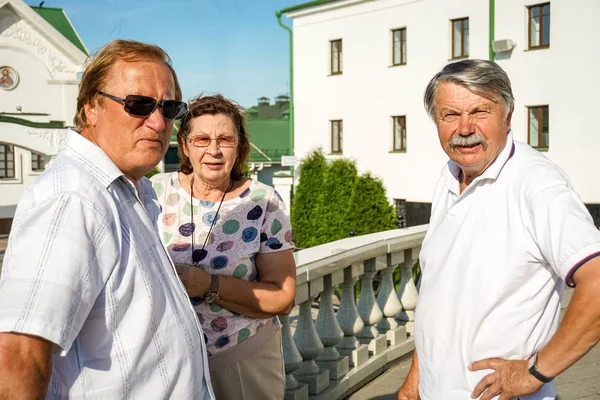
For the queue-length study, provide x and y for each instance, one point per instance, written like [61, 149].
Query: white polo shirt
[493, 261]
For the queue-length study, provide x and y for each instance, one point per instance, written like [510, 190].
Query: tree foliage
[331, 200]
[369, 209]
[305, 197]
[332, 209]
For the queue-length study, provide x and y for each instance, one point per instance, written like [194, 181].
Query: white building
[40, 57]
[360, 63]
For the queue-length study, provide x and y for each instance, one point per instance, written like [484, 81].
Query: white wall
[369, 91]
[48, 88]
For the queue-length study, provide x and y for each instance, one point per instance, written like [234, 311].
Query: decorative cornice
[56, 137]
[15, 29]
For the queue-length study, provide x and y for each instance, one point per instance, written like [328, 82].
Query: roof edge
[305, 5]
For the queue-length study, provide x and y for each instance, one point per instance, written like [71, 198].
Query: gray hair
[482, 77]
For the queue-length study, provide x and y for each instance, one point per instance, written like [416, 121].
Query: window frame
[462, 42]
[541, 30]
[37, 158]
[540, 117]
[402, 46]
[402, 120]
[340, 131]
[339, 57]
[5, 171]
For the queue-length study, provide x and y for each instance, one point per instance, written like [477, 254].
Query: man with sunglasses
[90, 303]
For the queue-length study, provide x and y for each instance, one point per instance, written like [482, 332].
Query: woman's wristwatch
[213, 292]
[532, 365]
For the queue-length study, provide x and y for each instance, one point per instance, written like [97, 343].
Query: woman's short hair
[99, 66]
[215, 105]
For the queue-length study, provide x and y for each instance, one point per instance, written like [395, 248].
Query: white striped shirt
[85, 269]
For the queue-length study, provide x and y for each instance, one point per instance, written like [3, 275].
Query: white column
[330, 331]
[407, 291]
[349, 320]
[308, 343]
[292, 360]
[368, 308]
[389, 303]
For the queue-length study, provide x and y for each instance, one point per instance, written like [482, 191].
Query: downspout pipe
[291, 108]
[492, 26]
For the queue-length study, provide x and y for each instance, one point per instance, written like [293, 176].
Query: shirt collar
[452, 171]
[102, 167]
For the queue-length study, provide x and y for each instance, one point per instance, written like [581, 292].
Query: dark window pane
[546, 30]
[533, 127]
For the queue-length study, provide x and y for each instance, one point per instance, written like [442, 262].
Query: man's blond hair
[99, 66]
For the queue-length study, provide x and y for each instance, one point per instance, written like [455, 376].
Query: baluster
[329, 330]
[308, 343]
[368, 308]
[407, 292]
[292, 360]
[349, 320]
[389, 303]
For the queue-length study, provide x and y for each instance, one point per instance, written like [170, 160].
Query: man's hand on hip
[510, 378]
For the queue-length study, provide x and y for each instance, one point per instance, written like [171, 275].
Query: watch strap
[213, 292]
[535, 372]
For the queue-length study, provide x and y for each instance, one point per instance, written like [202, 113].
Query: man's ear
[509, 116]
[91, 112]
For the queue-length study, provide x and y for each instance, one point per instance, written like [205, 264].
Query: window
[37, 162]
[336, 136]
[460, 38]
[538, 127]
[399, 46]
[336, 57]
[399, 133]
[7, 161]
[539, 26]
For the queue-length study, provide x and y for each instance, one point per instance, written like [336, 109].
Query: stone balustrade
[333, 354]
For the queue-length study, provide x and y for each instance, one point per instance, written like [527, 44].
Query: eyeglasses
[204, 141]
[144, 106]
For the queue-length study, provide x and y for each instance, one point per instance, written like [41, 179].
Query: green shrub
[331, 214]
[369, 210]
[305, 197]
[331, 200]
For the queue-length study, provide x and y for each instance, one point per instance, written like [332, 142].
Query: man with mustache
[506, 231]
[91, 306]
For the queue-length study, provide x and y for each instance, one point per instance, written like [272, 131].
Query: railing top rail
[327, 258]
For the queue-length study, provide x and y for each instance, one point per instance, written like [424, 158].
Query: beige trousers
[245, 372]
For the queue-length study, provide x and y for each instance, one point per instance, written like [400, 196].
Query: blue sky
[234, 47]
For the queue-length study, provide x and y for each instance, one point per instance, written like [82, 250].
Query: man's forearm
[24, 374]
[578, 332]
[413, 374]
[410, 387]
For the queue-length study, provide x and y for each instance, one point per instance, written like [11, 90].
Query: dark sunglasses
[144, 106]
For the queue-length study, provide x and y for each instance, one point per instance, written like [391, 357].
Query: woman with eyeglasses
[231, 240]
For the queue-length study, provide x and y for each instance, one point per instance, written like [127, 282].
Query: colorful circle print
[249, 234]
[254, 222]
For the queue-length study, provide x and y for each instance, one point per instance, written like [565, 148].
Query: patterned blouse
[254, 222]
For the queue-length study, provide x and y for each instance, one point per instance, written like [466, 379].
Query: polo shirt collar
[452, 171]
[104, 169]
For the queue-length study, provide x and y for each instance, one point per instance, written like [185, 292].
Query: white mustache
[469, 140]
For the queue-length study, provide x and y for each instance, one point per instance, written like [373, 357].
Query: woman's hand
[195, 280]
